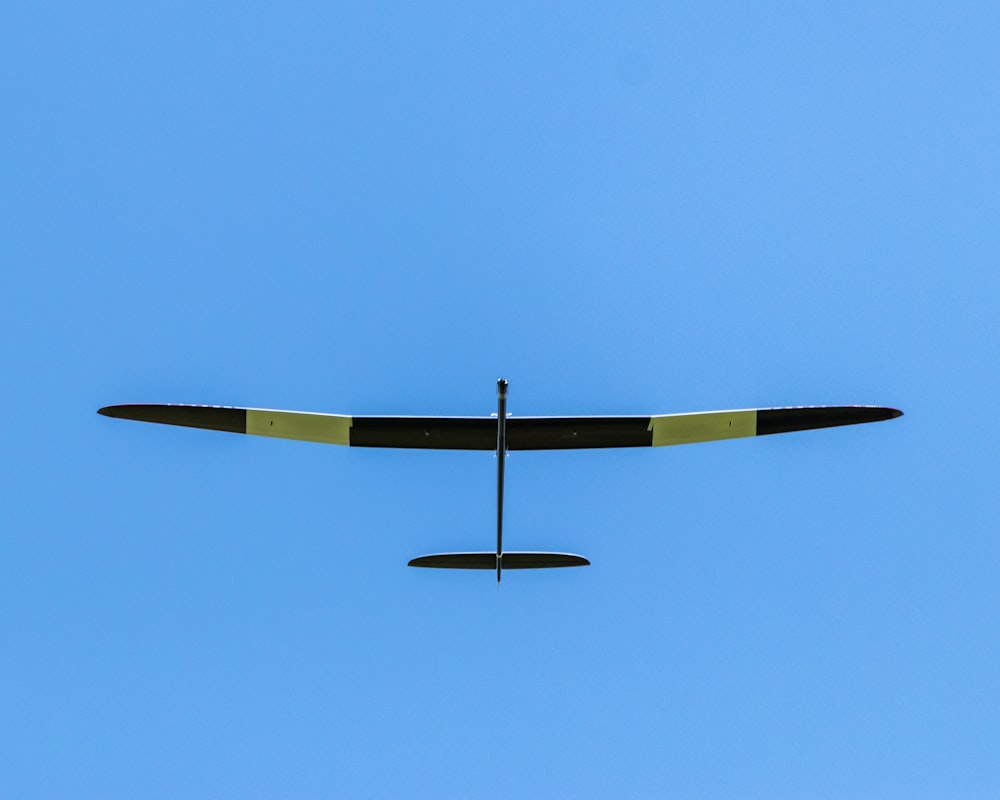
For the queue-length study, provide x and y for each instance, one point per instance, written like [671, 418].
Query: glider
[501, 433]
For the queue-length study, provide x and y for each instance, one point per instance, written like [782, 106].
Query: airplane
[500, 434]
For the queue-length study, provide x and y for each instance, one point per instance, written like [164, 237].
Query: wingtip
[881, 413]
[217, 418]
[124, 411]
[805, 418]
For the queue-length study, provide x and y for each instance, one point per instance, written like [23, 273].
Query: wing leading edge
[523, 433]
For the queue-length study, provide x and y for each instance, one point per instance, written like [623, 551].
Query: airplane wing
[523, 433]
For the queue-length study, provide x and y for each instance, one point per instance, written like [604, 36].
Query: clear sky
[381, 209]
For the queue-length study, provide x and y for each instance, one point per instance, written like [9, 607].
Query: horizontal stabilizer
[489, 560]
[542, 560]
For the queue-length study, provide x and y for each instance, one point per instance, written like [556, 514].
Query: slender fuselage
[501, 453]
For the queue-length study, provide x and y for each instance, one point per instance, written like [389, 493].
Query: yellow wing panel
[326, 428]
[706, 427]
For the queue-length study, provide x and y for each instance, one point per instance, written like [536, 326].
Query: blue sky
[381, 209]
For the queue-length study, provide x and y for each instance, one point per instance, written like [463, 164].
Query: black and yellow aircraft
[501, 434]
